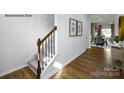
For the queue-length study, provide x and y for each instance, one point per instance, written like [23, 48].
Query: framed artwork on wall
[72, 27]
[79, 28]
[75, 27]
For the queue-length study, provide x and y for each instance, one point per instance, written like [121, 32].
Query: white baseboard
[56, 70]
[12, 70]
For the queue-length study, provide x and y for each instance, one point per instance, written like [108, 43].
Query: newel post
[39, 67]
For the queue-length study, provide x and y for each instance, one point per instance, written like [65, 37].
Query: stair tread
[33, 64]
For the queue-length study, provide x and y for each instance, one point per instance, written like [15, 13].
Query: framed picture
[72, 27]
[79, 28]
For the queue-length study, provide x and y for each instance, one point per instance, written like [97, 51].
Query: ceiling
[102, 19]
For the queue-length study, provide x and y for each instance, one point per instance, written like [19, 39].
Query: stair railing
[46, 50]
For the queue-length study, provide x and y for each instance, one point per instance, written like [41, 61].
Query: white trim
[49, 75]
[12, 70]
[51, 61]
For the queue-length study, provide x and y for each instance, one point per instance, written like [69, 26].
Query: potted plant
[116, 39]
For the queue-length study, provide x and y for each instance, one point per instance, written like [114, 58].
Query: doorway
[106, 33]
[101, 35]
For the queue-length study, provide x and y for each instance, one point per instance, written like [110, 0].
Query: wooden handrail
[54, 29]
[39, 42]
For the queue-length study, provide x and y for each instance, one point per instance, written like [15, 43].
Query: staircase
[39, 61]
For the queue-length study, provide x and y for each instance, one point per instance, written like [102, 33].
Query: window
[106, 32]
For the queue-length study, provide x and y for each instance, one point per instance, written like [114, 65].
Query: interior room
[104, 30]
[61, 46]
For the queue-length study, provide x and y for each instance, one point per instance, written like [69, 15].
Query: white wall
[70, 47]
[18, 36]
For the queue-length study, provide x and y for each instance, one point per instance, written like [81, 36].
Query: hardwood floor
[89, 65]
[24, 73]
